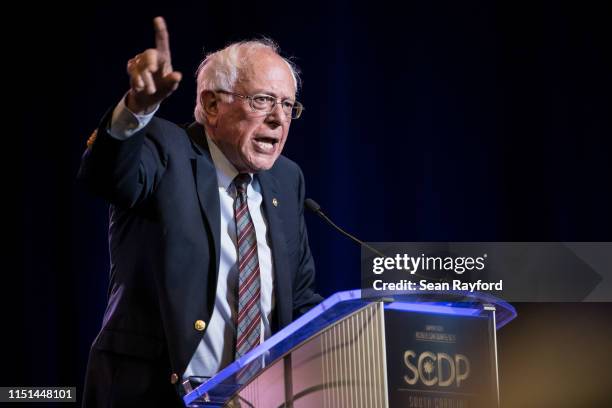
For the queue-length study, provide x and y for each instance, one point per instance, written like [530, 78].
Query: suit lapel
[207, 187]
[282, 279]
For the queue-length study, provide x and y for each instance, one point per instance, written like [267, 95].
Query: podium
[358, 349]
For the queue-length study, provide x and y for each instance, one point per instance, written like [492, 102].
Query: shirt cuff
[124, 123]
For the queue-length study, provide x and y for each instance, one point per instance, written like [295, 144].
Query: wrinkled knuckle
[150, 53]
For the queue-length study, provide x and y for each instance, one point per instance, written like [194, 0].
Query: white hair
[221, 69]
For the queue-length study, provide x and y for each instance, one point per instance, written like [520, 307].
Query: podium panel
[410, 350]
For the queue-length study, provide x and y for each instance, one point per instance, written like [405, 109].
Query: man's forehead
[265, 68]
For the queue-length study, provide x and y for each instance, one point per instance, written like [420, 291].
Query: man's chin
[258, 165]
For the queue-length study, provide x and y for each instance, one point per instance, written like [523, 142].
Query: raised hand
[151, 76]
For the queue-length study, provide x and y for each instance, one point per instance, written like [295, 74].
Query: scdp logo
[438, 368]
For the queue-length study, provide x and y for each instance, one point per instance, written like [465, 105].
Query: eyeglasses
[265, 104]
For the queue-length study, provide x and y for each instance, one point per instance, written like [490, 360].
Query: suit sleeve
[125, 172]
[304, 295]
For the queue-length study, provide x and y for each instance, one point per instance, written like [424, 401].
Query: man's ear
[210, 104]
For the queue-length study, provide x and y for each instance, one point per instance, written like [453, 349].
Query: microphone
[313, 206]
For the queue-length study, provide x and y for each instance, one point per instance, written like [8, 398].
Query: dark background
[429, 121]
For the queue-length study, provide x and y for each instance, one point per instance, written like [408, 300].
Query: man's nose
[276, 116]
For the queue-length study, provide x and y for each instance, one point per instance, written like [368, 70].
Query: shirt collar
[226, 172]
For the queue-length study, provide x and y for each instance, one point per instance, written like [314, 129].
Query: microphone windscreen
[312, 205]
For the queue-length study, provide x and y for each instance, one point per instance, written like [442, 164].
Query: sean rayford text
[424, 285]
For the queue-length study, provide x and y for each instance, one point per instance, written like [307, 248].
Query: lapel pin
[275, 202]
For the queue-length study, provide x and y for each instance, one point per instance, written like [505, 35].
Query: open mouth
[265, 144]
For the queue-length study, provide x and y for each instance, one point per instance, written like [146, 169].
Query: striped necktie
[248, 324]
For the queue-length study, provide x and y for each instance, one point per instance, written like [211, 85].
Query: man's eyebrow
[274, 94]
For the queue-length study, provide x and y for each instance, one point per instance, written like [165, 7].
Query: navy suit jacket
[164, 239]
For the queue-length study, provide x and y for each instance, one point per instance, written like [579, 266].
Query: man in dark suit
[209, 251]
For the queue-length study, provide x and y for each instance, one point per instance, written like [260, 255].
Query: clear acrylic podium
[366, 350]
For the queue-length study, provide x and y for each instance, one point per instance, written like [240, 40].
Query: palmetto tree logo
[428, 368]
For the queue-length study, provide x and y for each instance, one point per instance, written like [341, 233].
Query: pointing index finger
[162, 43]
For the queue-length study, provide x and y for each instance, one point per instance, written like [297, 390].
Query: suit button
[173, 378]
[199, 325]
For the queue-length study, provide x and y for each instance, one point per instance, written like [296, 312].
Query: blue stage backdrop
[441, 121]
